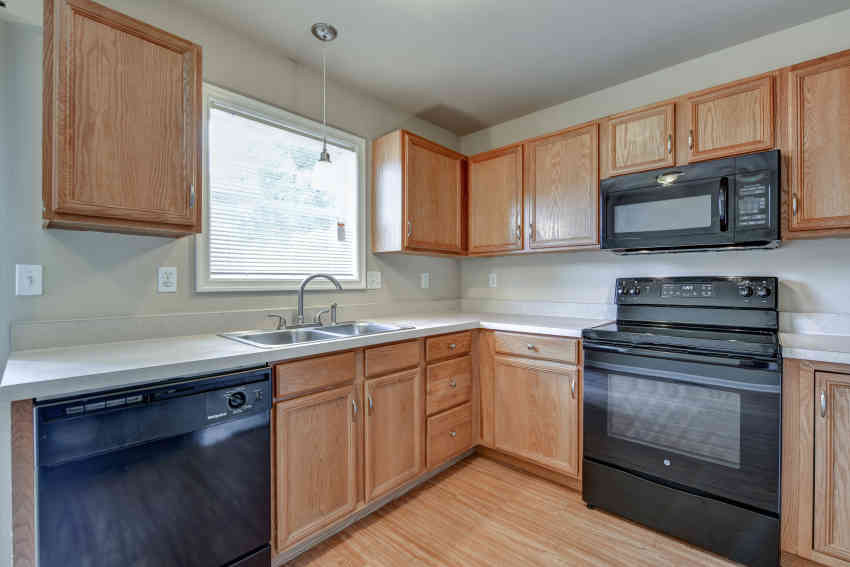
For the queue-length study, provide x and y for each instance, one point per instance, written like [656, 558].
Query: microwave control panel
[753, 200]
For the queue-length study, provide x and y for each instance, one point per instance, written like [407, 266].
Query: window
[266, 224]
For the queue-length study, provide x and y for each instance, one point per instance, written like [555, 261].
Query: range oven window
[668, 214]
[703, 423]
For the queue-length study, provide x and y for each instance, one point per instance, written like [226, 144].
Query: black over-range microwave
[720, 204]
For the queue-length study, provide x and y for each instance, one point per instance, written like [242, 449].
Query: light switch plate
[29, 279]
[166, 280]
[492, 281]
[373, 280]
[425, 280]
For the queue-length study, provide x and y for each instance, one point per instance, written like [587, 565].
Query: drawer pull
[453, 433]
[452, 383]
[531, 347]
[452, 346]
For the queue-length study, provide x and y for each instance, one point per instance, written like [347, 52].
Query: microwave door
[681, 215]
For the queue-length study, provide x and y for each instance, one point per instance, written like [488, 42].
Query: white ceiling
[469, 64]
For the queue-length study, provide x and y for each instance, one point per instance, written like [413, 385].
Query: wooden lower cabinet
[394, 424]
[315, 463]
[536, 411]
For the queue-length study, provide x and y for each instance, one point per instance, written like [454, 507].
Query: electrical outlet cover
[166, 280]
[492, 281]
[425, 280]
[29, 279]
[373, 280]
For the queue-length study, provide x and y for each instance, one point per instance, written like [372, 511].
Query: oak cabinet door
[315, 456]
[731, 119]
[123, 120]
[536, 412]
[832, 465]
[641, 140]
[495, 201]
[434, 196]
[820, 139]
[562, 189]
[395, 415]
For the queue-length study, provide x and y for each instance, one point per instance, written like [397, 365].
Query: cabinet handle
[823, 403]
[409, 228]
[531, 231]
[453, 433]
[192, 196]
[794, 205]
[690, 139]
[371, 405]
[354, 408]
[452, 383]
[530, 346]
[669, 143]
[573, 388]
[452, 346]
[519, 232]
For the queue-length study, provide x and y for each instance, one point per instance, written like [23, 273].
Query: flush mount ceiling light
[323, 171]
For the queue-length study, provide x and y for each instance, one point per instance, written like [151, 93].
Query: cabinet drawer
[312, 374]
[449, 384]
[559, 349]
[390, 358]
[449, 434]
[455, 344]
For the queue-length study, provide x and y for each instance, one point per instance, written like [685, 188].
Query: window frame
[275, 116]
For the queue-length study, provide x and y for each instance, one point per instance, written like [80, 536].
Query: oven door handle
[684, 377]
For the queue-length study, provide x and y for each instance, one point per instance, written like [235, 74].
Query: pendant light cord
[324, 102]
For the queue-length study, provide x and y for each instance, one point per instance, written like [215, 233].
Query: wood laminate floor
[482, 513]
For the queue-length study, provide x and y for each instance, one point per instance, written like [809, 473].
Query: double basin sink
[271, 339]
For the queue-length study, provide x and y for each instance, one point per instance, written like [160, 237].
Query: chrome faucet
[299, 318]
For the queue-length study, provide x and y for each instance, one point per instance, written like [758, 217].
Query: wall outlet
[373, 280]
[425, 280]
[166, 280]
[492, 281]
[29, 279]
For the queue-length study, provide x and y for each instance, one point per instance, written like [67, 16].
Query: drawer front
[301, 377]
[449, 384]
[390, 358]
[449, 434]
[444, 346]
[559, 349]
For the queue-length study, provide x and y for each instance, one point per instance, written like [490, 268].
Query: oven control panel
[715, 291]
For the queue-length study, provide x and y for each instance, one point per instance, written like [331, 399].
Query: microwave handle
[723, 204]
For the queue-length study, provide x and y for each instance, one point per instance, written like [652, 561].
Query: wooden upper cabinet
[395, 431]
[495, 201]
[562, 189]
[819, 145]
[639, 140]
[122, 123]
[418, 195]
[536, 412]
[731, 119]
[315, 461]
[832, 465]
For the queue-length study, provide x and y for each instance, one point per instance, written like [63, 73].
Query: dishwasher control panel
[242, 399]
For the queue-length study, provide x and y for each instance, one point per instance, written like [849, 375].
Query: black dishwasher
[167, 475]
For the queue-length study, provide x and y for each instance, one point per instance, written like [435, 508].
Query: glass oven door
[708, 425]
[686, 214]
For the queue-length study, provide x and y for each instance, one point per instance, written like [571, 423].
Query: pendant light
[323, 171]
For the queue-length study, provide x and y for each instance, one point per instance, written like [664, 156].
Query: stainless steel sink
[271, 339]
[356, 329]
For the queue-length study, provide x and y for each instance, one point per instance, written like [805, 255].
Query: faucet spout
[299, 318]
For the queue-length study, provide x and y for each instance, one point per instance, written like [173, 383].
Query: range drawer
[449, 384]
[559, 349]
[449, 434]
[390, 358]
[455, 344]
[313, 374]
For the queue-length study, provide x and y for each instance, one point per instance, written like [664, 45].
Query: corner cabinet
[122, 123]
[562, 189]
[418, 196]
[818, 200]
[495, 201]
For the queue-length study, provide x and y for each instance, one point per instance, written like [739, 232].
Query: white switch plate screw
[492, 281]
[425, 280]
[28, 279]
[166, 280]
[373, 280]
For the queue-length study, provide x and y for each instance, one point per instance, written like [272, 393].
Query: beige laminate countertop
[57, 372]
[818, 348]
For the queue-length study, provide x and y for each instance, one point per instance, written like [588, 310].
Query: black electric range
[682, 412]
